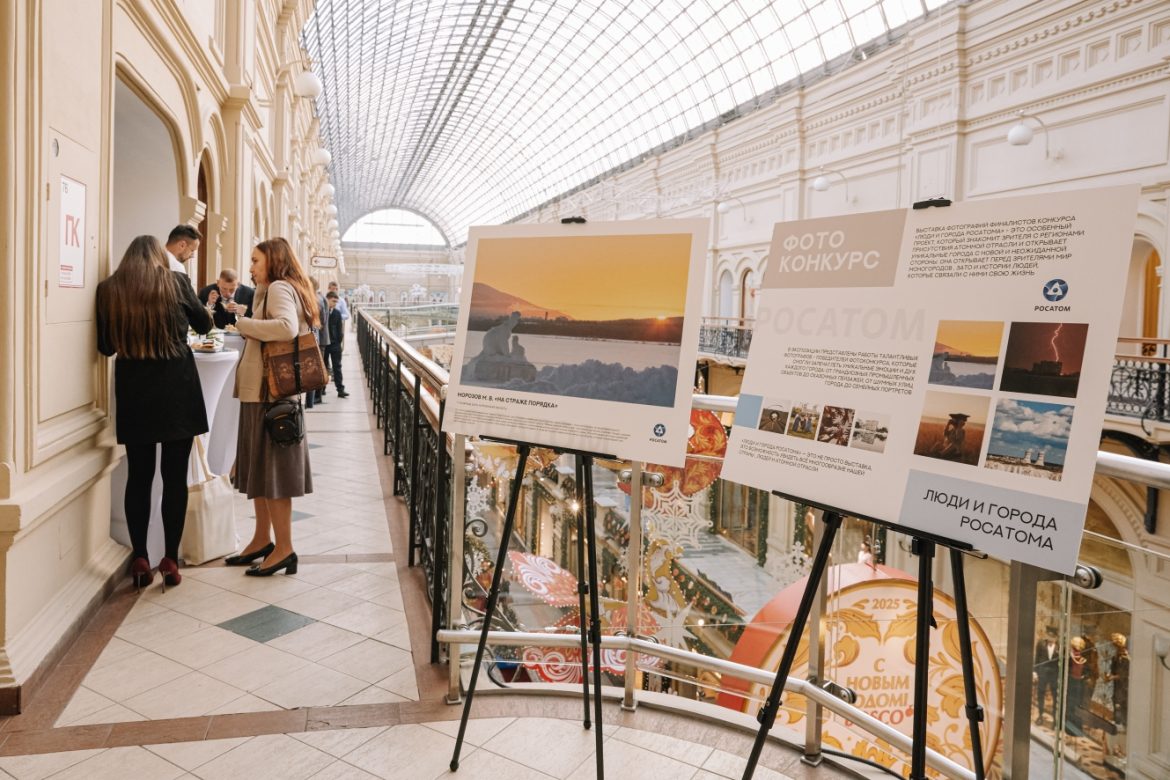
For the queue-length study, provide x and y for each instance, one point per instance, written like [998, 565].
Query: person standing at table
[182, 244]
[143, 311]
[270, 474]
[333, 352]
[224, 296]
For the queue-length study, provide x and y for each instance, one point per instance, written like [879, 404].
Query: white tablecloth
[217, 375]
[217, 371]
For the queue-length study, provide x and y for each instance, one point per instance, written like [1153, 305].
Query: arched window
[747, 302]
[726, 295]
[395, 226]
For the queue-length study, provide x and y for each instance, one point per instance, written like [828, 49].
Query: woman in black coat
[143, 310]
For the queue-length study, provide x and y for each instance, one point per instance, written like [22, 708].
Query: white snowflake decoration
[675, 518]
[673, 629]
[478, 501]
[790, 567]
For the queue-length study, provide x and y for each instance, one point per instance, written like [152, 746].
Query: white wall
[146, 177]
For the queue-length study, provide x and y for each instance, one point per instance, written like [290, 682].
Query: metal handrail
[1150, 473]
[430, 371]
[934, 760]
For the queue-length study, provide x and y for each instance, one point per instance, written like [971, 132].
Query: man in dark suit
[336, 326]
[1047, 670]
[220, 296]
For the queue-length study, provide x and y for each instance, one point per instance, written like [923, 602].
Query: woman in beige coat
[270, 474]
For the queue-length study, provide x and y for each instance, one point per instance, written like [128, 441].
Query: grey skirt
[267, 470]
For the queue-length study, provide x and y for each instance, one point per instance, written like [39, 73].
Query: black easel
[586, 545]
[923, 545]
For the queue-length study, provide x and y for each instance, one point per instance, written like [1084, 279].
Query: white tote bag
[210, 531]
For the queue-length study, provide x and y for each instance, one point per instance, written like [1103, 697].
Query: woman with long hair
[143, 311]
[271, 474]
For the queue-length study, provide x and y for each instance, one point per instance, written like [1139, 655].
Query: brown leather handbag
[293, 367]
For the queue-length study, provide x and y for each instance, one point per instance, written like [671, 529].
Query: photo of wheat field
[952, 427]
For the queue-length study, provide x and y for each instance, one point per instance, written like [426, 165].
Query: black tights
[139, 480]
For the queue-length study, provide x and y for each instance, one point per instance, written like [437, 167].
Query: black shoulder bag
[284, 419]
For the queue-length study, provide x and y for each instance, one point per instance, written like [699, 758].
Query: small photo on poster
[966, 353]
[802, 423]
[774, 417]
[870, 431]
[836, 425]
[952, 427]
[1029, 438]
[1044, 358]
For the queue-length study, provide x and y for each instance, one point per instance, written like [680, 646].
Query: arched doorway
[726, 295]
[146, 172]
[202, 188]
[1143, 293]
[746, 299]
[145, 200]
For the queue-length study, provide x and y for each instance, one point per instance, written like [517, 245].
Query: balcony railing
[687, 572]
[726, 337]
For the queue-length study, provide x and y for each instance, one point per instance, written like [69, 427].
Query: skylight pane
[473, 113]
[394, 226]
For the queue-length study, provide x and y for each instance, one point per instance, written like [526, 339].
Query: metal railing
[409, 392]
[725, 336]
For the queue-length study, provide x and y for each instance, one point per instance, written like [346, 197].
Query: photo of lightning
[1044, 358]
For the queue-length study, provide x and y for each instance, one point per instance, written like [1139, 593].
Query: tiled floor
[321, 674]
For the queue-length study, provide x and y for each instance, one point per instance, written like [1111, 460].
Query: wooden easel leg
[925, 551]
[594, 609]
[974, 711]
[582, 589]
[767, 715]
[493, 597]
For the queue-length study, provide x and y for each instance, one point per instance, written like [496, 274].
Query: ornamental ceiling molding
[869, 105]
[1069, 23]
[1064, 99]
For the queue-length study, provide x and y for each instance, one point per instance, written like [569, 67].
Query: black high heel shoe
[289, 564]
[249, 558]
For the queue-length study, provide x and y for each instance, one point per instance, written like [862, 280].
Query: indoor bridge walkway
[324, 674]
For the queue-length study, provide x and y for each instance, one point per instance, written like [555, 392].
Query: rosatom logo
[660, 430]
[1055, 290]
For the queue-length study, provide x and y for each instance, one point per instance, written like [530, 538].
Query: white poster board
[580, 336]
[71, 236]
[945, 369]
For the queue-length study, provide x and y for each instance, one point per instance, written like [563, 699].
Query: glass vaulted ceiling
[474, 112]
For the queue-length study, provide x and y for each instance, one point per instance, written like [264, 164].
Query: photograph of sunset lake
[966, 354]
[597, 317]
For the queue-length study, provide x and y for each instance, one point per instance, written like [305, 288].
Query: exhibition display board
[943, 369]
[580, 336]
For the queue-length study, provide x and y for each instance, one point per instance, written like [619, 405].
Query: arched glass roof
[394, 226]
[472, 112]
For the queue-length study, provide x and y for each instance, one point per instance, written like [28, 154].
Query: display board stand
[586, 523]
[923, 545]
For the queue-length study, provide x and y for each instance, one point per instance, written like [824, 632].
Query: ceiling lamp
[328, 190]
[331, 210]
[332, 223]
[322, 157]
[307, 85]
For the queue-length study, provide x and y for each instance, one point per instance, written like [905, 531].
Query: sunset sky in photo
[591, 277]
[940, 406]
[981, 339]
